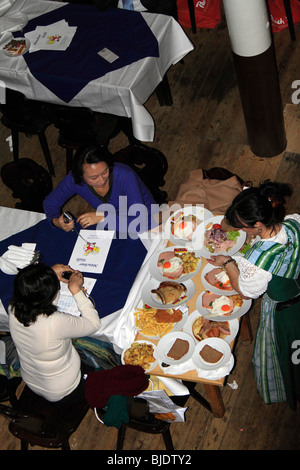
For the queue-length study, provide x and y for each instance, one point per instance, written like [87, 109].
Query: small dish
[16, 47]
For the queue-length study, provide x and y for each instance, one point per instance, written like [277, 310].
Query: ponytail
[265, 204]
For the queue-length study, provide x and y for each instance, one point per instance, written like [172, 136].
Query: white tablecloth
[122, 92]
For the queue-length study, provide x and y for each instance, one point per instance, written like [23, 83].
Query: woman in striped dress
[270, 268]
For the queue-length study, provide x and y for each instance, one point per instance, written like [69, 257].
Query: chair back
[29, 182]
[16, 107]
[74, 124]
[150, 164]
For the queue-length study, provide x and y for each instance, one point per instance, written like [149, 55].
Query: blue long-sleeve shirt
[121, 210]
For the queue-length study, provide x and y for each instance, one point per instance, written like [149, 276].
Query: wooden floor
[204, 128]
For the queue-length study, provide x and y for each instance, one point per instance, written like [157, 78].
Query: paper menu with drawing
[91, 250]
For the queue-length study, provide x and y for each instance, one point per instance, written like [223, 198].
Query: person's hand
[61, 268]
[218, 260]
[90, 218]
[59, 222]
[75, 282]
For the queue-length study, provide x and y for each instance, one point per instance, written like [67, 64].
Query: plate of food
[222, 307]
[175, 348]
[201, 328]
[217, 280]
[155, 323]
[210, 239]
[140, 353]
[211, 354]
[16, 47]
[175, 263]
[180, 227]
[167, 294]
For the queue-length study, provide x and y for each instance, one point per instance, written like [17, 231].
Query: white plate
[12, 54]
[200, 212]
[153, 364]
[198, 238]
[165, 344]
[237, 312]
[215, 343]
[188, 327]
[156, 272]
[177, 326]
[152, 299]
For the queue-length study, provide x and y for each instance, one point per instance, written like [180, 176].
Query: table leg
[215, 399]
[245, 328]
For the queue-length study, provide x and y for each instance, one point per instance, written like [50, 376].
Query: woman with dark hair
[102, 183]
[49, 363]
[270, 267]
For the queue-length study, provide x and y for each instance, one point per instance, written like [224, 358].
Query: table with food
[189, 316]
[162, 305]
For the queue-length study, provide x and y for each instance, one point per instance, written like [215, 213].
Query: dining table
[118, 292]
[113, 61]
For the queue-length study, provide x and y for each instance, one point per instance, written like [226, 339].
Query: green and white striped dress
[277, 378]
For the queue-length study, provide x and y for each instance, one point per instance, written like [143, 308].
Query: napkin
[18, 257]
[178, 369]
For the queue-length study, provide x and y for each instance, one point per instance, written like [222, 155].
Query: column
[255, 63]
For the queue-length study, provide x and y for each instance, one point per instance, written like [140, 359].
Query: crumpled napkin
[17, 257]
[215, 374]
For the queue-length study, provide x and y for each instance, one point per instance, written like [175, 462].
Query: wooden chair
[149, 163]
[29, 182]
[21, 115]
[141, 419]
[78, 126]
[35, 422]
[8, 389]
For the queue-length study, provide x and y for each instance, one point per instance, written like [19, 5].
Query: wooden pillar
[255, 63]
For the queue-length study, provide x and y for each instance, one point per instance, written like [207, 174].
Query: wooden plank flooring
[204, 128]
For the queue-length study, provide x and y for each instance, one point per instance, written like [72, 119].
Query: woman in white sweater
[49, 363]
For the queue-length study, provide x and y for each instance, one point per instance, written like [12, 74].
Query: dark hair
[90, 154]
[34, 290]
[264, 204]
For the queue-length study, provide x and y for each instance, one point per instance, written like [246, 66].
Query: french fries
[140, 354]
[147, 324]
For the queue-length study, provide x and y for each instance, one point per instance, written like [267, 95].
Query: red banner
[278, 14]
[207, 13]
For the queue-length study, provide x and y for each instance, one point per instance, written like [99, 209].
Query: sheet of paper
[108, 55]
[91, 250]
[56, 36]
[65, 301]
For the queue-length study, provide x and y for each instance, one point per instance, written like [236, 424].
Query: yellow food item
[237, 300]
[190, 262]
[140, 354]
[148, 325]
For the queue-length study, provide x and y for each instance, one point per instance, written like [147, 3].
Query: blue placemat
[113, 284]
[66, 73]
